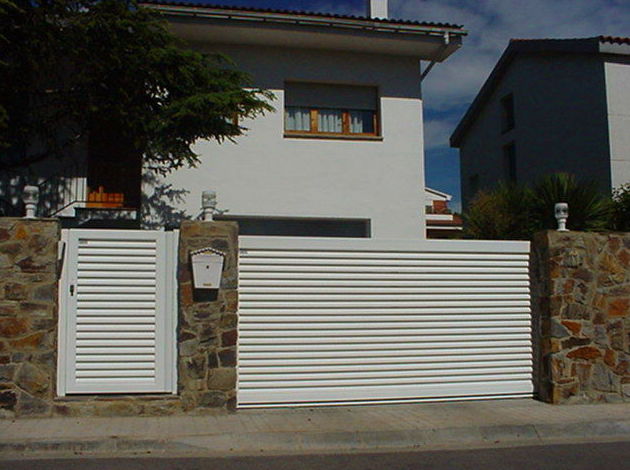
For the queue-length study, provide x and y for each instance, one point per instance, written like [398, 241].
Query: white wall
[618, 97]
[267, 174]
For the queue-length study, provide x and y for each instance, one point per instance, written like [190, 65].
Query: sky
[451, 86]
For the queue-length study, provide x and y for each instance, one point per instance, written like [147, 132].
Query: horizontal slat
[382, 289]
[480, 277]
[109, 320]
[95, 243]
[391, 339]
[343, 349]
[437, 285]
[391, 375]
[248, 243]
[88, 358]
[418, 310]
[85, 350]
[312, 383]
[350, 353]
[126, 259]
[114, 344]
[104, 283]
[97, 276]
[118, 335]
[359, 324]
[135, 249]
[116, 311]
[322, 395]
[115, 304]
[263, 373]
[372, 304]
[83, 289]
[372, 321]
[379, 334]
[114, 296]
[393, 297]
[122, 328]
[115, 366]
[400, 360]
[265, 263]
[114, 373]
[402, 255]
[386, 269]
[116, 267]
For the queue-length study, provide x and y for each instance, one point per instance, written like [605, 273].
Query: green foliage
[69, 67]
[621, 208]
[516, 212]
[501, 214]
[589, 210]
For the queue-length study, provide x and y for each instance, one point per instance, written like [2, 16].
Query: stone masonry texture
[28, 316]
[206, 331]
[581, 307]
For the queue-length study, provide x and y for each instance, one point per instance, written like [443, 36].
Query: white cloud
[437, 132]
[491, 24]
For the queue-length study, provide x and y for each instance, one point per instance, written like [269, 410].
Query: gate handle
[72, 290]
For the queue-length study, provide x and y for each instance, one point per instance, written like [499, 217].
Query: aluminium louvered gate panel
[118, 312]
[364, 321]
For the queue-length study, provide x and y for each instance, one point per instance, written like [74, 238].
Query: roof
[297, 15]
[446, 196]
[594, 45]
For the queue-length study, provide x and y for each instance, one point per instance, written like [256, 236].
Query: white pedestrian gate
[117, 312]
[333, 321]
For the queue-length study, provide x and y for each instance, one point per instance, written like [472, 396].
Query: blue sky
[451, 86]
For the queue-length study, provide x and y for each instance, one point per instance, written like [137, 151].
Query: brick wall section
[581, 307]
[207, 326]
[28, 316]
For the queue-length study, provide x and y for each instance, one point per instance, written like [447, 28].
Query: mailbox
[207, 265]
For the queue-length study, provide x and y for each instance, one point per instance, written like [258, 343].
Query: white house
[342, 155]
[550, 105]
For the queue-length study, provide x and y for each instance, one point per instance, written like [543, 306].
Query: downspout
[447, 41]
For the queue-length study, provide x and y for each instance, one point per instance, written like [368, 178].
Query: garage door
[329, 321]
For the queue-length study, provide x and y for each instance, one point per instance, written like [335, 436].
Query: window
[300, 227]
[507, 113]
[509, 162]
[330, 110]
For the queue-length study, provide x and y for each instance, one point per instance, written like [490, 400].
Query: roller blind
[314, 95]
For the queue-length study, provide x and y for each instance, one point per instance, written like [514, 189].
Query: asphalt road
[610, 455]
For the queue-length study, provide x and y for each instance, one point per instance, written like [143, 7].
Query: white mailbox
[207, 265]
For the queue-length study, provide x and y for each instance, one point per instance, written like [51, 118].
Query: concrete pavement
[316, 430]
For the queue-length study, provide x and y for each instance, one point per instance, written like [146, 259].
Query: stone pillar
[581, 308]
[28, 316]
[207, 323]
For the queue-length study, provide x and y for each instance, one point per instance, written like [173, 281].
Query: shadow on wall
[158, 203]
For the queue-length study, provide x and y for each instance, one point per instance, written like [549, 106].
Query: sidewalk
[311, 430]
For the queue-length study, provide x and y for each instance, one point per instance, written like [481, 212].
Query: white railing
[330, 321]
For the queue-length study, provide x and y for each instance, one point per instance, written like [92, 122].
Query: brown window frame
[345, 123]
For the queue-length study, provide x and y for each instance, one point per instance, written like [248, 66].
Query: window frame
[508, 120]
[345, 124]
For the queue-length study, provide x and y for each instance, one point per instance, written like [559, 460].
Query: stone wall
[207, 329]
[581, 307]
[206, 332]
[28, 316]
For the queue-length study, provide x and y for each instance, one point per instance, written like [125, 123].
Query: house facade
[342, 154]
[552, 105]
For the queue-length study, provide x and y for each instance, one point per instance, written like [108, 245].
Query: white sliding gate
[332, 321]
[117, 312]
